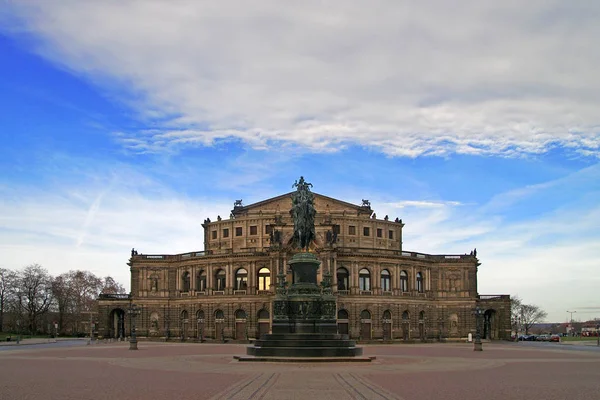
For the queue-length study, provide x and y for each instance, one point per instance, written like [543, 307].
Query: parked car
[555, 338]
[527, 338]
[543, 338]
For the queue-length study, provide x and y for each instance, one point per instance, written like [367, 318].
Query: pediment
[283, 203]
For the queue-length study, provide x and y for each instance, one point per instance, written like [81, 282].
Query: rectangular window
[268, 229]
[226, 232]
[351, 230]
[379, 232]
[391, 234]
[214, 234]
[366, 231]
[253, 230]
[238, 231]
[336, 229]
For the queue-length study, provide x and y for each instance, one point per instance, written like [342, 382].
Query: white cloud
[405, 78]
[94, 226]
[548, 258]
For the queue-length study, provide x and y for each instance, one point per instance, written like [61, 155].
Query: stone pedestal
[304, 318]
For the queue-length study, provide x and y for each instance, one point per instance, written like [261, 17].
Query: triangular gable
[283, 204]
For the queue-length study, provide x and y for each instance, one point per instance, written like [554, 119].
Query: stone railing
[493, 296]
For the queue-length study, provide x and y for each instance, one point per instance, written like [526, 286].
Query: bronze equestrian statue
[303, 214]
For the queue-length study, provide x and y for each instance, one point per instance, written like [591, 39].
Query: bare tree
[7, 291]
[531, 314]
[110, 286]
[62, 294]
[35, 293]
[75, 292]
[515, 311]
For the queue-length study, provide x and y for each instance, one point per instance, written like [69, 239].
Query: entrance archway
[405, 325]
[117, 323]
[490, 327]
[184, 324]
[342, 322]
[264, 323]
[387, 325]
[240, 325]
[365, 325]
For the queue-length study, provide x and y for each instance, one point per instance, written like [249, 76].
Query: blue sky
[125, 124]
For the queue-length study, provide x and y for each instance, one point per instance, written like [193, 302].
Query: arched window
[422, 316]
[264, 279]
[241, 279]
[342, 279]
[342, 314]
[219, 315]
[201, 281]
[240, 314]
[387, 315]
[364, 279]
[404, 281]
[419, 282]
[185, 282]
[220, 280]
[405, 316]
[386, 281]
[184, 315]
[199, 315]
[263, 314]
[365, 314]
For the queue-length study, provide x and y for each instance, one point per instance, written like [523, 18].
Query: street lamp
[134, 311]
[477, 345]
[571, 321]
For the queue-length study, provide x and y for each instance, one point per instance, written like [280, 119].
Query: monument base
[304, 320]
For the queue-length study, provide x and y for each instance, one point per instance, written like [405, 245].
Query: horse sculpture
[303, 213]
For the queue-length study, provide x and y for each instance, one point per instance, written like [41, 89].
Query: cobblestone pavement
[208, 371]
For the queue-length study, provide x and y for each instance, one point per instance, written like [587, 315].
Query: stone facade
[383, 292]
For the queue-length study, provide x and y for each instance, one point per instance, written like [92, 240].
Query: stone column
[209, 279]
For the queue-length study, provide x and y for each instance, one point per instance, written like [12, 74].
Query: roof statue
[303, 214]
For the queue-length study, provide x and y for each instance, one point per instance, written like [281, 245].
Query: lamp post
[441, 328]
[477, 345]
[571, 321]
[134, 311]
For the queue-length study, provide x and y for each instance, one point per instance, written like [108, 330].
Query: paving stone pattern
[208, 371]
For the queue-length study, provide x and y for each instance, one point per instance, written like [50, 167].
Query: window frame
[364, 280]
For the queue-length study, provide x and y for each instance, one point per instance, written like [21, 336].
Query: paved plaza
[208, 371]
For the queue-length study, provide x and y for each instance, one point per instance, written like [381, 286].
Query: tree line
[32, 300]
